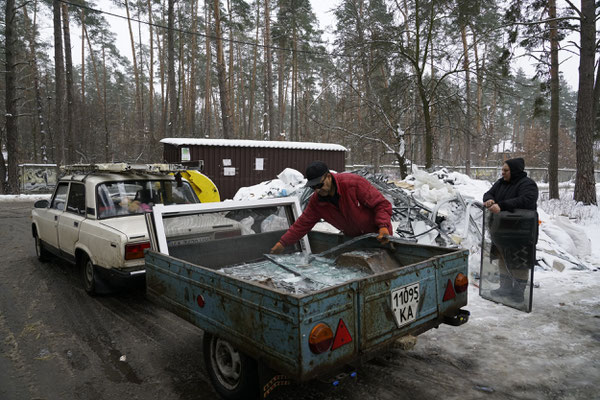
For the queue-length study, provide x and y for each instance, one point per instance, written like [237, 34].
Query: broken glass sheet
[296, 273]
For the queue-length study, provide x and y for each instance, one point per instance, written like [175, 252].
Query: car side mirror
[41, 204]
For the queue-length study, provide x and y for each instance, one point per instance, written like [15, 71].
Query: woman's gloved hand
[383, 234]
[278, 248]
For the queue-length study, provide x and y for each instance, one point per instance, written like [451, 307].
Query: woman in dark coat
[513, 191]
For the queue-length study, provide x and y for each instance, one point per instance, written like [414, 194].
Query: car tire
[233, 374]
[42, 254]
[88, 275]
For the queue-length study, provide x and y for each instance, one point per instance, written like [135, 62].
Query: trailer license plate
[405, 302]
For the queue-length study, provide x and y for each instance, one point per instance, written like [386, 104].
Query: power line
[184, 31]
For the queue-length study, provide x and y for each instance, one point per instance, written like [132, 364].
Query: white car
[95, 218]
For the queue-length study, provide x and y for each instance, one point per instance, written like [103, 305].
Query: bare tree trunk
[82, 117]
[163, 94]
[12, 132]
[280, 92]
[191, 120]
[231, 77]
[585, 182]
[30, 28]
[222, 74]
[241, 98]
[172, 92]
[480, 67]
[136, 73]
[59, 70]
[107, 143]
[208, 81]
[101, 102]
[151, 78]
[269, 61]
[181, 84]
[554, 102]
[294, 105]
[70, 92]
[466, 66]
[250, 130]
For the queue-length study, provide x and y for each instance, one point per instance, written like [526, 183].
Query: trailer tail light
[136, 250]
[461, 283]
[320, 338]
[342, 336]
[449, 294]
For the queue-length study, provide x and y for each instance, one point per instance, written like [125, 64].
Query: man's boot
[505, 289]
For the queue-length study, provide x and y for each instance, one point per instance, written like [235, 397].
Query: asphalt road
[56, 342]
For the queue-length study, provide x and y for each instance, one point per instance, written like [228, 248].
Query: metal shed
[232, 164]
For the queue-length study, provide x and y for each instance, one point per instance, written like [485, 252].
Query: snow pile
[24, 197]
[431, 188]
[566, 230]
[286, 184]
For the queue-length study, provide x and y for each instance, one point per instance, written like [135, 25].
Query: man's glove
[383, 234]
[278, 248]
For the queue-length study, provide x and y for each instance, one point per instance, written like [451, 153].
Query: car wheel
[232, 373]
[88, 275]
[41, 253]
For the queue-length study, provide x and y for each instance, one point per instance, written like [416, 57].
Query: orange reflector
[320, 338]
[449, 294]
[133, 251]
[461, 283]
[342, 336]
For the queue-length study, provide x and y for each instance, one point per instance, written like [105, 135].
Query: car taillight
[461, 283]
[135, 250]
[320, 338]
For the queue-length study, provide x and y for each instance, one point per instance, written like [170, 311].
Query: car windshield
[137, 196]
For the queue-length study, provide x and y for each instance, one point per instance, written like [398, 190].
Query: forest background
[431, 82]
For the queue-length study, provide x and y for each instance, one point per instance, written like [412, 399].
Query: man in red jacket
[347, 201]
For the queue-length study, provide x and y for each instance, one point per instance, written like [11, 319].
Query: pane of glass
[134, 197]
[76, 203]
[60, 198]
[220, 238]
[508, 257]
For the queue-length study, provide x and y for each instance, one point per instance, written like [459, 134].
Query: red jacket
[362, 209]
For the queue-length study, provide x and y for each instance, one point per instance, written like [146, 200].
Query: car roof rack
[122, 167]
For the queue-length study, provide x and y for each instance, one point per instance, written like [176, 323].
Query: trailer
[335, 301]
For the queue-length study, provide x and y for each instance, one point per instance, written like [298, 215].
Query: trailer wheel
[232, 373]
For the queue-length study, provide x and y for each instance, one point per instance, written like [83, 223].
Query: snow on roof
[254, 143]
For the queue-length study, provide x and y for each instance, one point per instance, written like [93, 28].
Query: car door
[48, 218]
[70, 221]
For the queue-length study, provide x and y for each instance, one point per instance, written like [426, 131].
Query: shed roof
[254, 143]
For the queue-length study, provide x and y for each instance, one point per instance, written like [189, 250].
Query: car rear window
[137, 196]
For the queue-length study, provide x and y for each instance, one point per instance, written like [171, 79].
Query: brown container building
[232, 164]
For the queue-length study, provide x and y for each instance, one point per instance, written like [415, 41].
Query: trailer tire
[233, 374]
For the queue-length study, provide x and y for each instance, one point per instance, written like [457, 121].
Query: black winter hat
[517, 168]
[314, 172]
